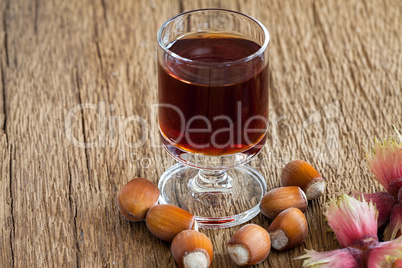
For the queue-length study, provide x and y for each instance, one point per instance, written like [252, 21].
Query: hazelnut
[302, 174]
[279, 199]
[166, 221]
[250, 245]
[288, 229]
[136, 198]
[192, 249]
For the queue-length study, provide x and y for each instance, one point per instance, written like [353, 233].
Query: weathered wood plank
[39, 93]
[6, 202]
[2, 99]
[6, 219]
[3, 61]
[116, 73]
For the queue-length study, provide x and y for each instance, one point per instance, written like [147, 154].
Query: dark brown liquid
[214, 103]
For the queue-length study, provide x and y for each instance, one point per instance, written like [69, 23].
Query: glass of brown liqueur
[213, 113]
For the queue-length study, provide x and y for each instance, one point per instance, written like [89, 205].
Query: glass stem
[212, 181]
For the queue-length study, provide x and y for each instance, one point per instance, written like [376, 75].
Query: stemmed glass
[213, 111]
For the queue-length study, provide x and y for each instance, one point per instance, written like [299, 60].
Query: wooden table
[335, 85]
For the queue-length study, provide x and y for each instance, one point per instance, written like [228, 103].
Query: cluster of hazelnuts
[251, 244]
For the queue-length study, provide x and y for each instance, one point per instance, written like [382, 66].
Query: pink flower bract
[383, 201]
[384, 253]
[340, 258]
[386, 163]
[394, 228]
[354, 222]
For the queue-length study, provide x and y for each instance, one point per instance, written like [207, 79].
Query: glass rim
[226, 63]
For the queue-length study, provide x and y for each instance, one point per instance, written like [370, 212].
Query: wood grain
[335, 84]
[6, 202]
[6, 205]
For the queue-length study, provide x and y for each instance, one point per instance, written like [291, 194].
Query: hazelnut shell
[136, 198]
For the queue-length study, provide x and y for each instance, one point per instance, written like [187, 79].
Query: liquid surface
[214, 48]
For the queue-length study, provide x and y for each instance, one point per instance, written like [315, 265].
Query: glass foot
[218, 199]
